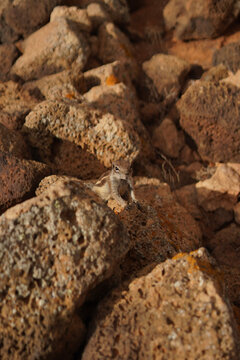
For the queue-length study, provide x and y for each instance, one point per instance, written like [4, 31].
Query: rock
[237, 213]
[101, 134]
[221, 190]
[167, 74]
[97, 14]
[204, 19]
[55, 249]
[159, 229]
[168, 139]
[109, 74]
[74, 14]
[117, 9]
[18, 179]
[23, 17]
[70, 83]
[187, 197]
[209, 115]
[229, 56]
[177, 311]
[216, 73]
[120, 101]
[12, 141]
[51, 49]
[114, 45]
[233, 79]
[8, 54]
[15, 104]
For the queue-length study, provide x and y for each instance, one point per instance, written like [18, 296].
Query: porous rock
[23, 17]
[177, 311]
[209, 114]
[114, 45]
[8, 54]
[199, 20]
[101, 134]
[221, 190]
[55, 249]
[229, 56]
[13, 142]
[167, 74]
[18, 178]
[98, 14]
[15, 104]
[73, 13]
[51, 49]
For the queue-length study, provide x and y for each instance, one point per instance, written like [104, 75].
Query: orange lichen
[70, 96]
[111, 80]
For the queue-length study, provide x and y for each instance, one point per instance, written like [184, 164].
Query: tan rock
[72, 13]
[203, 19]
[18, 179]
[53, 48]
[103, 135]
[8, 54]
[12, 141]
[209, 115]
[221, 190]
[177, 311]
[167, 74]
[15, 104]
[216, 73]
[237, 213]
[228, 55]
[233, 79]
[114, 45]
[23, 17]
[168, 139]
[98, 14]
[55, 249]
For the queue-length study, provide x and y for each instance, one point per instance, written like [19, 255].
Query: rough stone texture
[8, 54]
[216, 73]
[18, 179]
[15, 104]
[73, 13]
[97, 14]
[101, 134]
[177, 311]
[167, 74]
[69, 82]
[201, 19]
[121, 101]
[23, 17]
[233, 79]
[168, 139]
[237, 213]
[114, 45]
[159, 229]
[221, 190]
[209, 113]
[187, 197]
[229, 56]
[225, 246]
[117, 9]
[12, 141]
[53, 48]
[54, 249]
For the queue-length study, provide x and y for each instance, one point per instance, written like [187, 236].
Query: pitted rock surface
[55, 248]
[8, 54]
[106, 137]
[177, 311]
[13, 142]
[18, 179]
[209, 113]
[53, 48]
[229, 56]
[75, 14]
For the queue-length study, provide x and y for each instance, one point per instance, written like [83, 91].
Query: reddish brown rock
[168, 139]
[55, 249]
[177, 311]
[199, 20]
[12, 141]
[15, 104]
[229, 56]
[23, 17]
[237, 213]
[167, 74]
[103, 135]
[73, 13]
[8, 54]
[209, 115]
[18, 179]
[53, 48]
